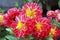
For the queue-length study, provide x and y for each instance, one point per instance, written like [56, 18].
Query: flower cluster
[29, 20]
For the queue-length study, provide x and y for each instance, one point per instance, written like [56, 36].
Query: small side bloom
[51, 14]
[54, 32]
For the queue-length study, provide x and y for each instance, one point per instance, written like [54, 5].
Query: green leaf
[55, 23]
[29, 0]
[11, 37]
[3, 32]
[29, 38]
[2, 10]
[49, 38]
[16, 4]
[9, 30]
[24, 39]
[41, 5]
[25, 1]
[48, 7]
[59, 3]
[2, 38]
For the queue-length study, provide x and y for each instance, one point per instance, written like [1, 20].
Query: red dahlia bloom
[21, 29]
[54, 32]
[9, 17]
[42, 28]
[32, 10]
[13, 12]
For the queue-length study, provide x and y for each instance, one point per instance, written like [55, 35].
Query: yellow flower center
[1, 18]
[30, 13]
[20, 25]
[52, 32]
[38, 25]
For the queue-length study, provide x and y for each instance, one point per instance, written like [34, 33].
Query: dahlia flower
[54, 32]
[32, 10]
[42, 28]
[10, 15]
[22, 29]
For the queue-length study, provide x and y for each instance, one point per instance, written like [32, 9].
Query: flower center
[20, 25]
[1, 18]
[52, 32]
[30, 13]
[38, 25]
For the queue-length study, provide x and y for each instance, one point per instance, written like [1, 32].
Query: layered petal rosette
[22, 29]
[9, 17]
[54, 32]
[32, 10]
[42, 28]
